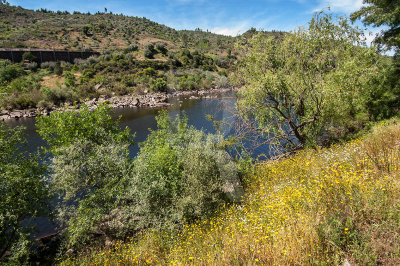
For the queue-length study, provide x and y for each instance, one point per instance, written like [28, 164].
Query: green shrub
[58, 95]
[9, 71]
[180, 174]
[90, 157]
[58, 70]
[149, 51]
[161, 47]
[24, 84]
[159, 84]
[131, 48]
[69, 79]
[29, 56]
[24, 195]
[21, 100]
[189, 82]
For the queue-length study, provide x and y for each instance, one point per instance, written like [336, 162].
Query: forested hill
[23, 28]
[137, 56]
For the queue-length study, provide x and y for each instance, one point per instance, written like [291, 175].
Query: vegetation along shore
[305, 171]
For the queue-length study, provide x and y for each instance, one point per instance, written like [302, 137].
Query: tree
[382, 13]
[86, 29]
[149, 51]
[90, 158]
[29, 56]
[24, 195]
[316, 81]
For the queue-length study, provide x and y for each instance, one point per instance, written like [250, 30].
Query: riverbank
[330, 206]
[152, 100]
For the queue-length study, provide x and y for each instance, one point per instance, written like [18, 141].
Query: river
[141, 121]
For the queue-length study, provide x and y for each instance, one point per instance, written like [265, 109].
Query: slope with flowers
[321, 206]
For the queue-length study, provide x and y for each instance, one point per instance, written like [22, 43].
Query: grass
[318, 207]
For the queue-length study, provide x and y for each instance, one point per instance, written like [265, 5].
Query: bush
[189, 82]
[181, 174]
[24, 84]
[58, 70]
[69, 79]
[131, 48]
[313, 84]
[24, 195]
[58, 95]
[159, 84]
[161, 47]
[9, 71]
[149, 51]
[90, 156]
[29, 56]
[49, 65]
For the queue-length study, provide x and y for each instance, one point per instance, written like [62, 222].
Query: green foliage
[161, 48]
[188, 82]
[58, 70]
[180, 174]
[87, 176]
[69, 79]
[159, 84]
[313, 82]
[63, 128]
[86, 29]
[132, 48]
[149, 51]
[90, 158]
[22, 92]
[382, 13]
[9, 71]
[58, 95]
[24, 84]
[29, 56]
[24, 195]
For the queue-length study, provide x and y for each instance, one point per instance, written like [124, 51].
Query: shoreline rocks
[154, 100]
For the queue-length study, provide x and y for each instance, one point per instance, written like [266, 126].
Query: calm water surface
[141, 120]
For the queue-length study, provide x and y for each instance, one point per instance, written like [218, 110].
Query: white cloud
[346, 6]
[230, 31]
[371, 35]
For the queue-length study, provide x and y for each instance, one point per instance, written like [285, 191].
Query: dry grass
[318, 207]
[52, 81]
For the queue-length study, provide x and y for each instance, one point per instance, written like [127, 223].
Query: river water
[141, 121]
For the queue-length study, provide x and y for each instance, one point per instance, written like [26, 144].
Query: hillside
[21, 27]
[320, 207]
[138, 56]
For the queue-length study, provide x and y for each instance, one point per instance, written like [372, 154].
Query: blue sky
[224, 17]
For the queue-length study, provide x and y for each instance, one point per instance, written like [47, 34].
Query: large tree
[314, 82]
[382, 13]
